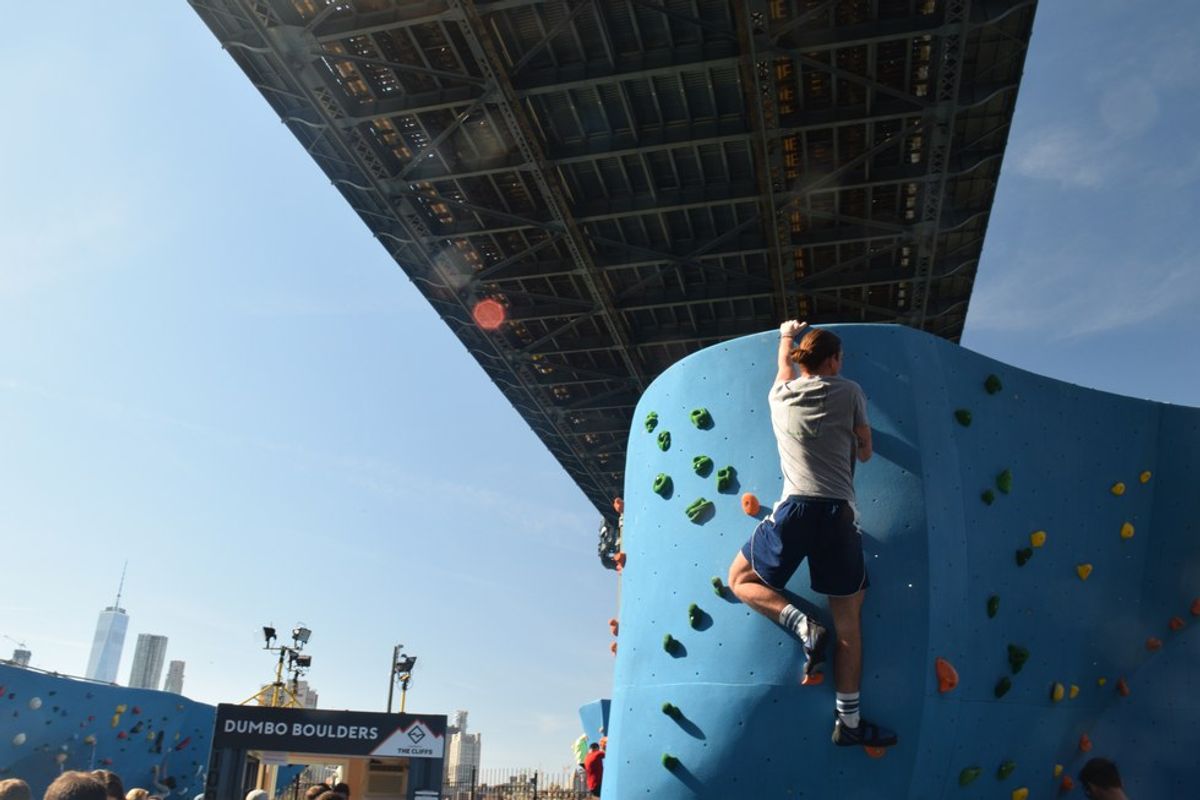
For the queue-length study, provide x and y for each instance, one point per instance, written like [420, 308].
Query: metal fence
[517, 784]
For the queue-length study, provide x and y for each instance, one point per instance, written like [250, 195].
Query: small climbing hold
[812, 679]
[1118, 488]
[1017, 656]
[1083, 571]
[695, 615]
[1057, 692]
[614, 626]
[1058, 770]
[122, 735]
[669, 761]
[992, 384]
[750, 504]
[1085, 744]
[875, 752]
[18, 740]
[718, 586]
[89, 739]
[1020, 794]
[1004, 481]
[671, 710]
[1176, 624]
[699, 507]
[969, 775]
[670, 643]
[662, 484]
[1073, 692]
[1002, 687]
[1145, 476]
[947, 675]
[702, 465]
[1127, 530]
[619, 505]
[1005, 769]
[1023, 555]
[988, 497]
[651, 422]
[1067, 785]
[619, 560]
[612, 648]
[35, 703]
[963, 416]
[1122, 687]
[725, 476]
[993, 606]
[1153, 644]
[1101, 681]
[701, 418]
[664, 441]
[1196, 607]
[1037, 538]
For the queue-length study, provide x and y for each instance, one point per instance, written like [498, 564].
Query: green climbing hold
[1006, 769]
[1017, 656]
[702, 465]
[988, 497]
[725, 477]
[670, 643]
[694, 615]
[1004, 481]
[992, 384]
[671, 710]
[1023, 555]
[662, 484]
[651, 422]
[968, 775]
[669, 761]
[993, 605]
[701, 418]
[718, 586]
[1002, 687]
[664, 441]
[963, 416]
[699, 507]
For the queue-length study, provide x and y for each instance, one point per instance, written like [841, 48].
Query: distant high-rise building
[462, 753]
[21, 657]
[148, 659]
[174, 681]
[306, 696]
[109, 640]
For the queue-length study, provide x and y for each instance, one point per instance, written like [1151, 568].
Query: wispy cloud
[1064, 154]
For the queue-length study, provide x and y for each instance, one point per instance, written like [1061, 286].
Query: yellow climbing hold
[1020, 794]
[1037, 538]
[1083, 570]
[1074, 692]
[1127, 530]
[1056, 693]
[1057, 770]
[1144, 477]
[1118, 489]
[1101, 681]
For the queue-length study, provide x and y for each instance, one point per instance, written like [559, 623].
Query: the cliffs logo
[416, 734]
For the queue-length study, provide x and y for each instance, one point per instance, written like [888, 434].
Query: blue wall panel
[936, 553]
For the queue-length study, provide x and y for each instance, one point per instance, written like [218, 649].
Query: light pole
[401, 670]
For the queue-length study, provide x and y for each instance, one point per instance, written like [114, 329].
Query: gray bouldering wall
[1040, 538]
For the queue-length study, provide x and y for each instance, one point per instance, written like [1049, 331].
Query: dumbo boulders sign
[351, 733]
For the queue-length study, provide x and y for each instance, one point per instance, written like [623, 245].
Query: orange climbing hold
[1153, 644]
[614, 626]
[1196, 607]
[612, 648]
[947, 675]
[1122, 687]
[619, 505]
[750, 504]
[875, 752]
[815, 679]
[1176, 623]
[1067, 785]
[1085, 744]
[619, 560]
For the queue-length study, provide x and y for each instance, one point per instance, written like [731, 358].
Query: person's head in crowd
[112, 784]
[332, 795]
[137, 794]
[343, 789]
[76, 786]
[316, 791]
[15, 789]
[1101, 780]
[257, 794]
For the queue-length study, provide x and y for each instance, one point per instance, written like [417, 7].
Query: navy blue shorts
[823, 531]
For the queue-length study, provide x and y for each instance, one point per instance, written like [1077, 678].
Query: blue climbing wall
[936, 552]
[49, 724]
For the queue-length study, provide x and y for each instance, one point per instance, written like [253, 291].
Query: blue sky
[209, 367]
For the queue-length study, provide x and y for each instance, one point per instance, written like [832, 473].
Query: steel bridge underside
[633, 180]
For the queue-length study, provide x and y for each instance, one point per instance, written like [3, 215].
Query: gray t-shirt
[814, 418]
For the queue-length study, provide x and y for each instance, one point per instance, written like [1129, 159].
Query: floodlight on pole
[301, 634]
[268, 634]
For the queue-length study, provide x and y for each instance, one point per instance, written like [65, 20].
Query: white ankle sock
[847, 708]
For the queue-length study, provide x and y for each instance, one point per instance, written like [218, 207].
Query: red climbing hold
[184, 743]
[614, 626]
[875, 752]
[1153, 644]
[750, 504]
[1085, 744]
[619, 505]
[815, 679]
[1176, 623]
[1196, 607]
[136, 710]
[619, 559]
[1067, 785]
[947, 675]
[122, 735]
[1122, 687]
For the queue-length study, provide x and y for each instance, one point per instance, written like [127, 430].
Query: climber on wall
[821, 428]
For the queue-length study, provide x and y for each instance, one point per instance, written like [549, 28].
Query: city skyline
[148, 657]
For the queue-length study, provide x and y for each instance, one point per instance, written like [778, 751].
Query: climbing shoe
[816, 642]
[867, 734]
